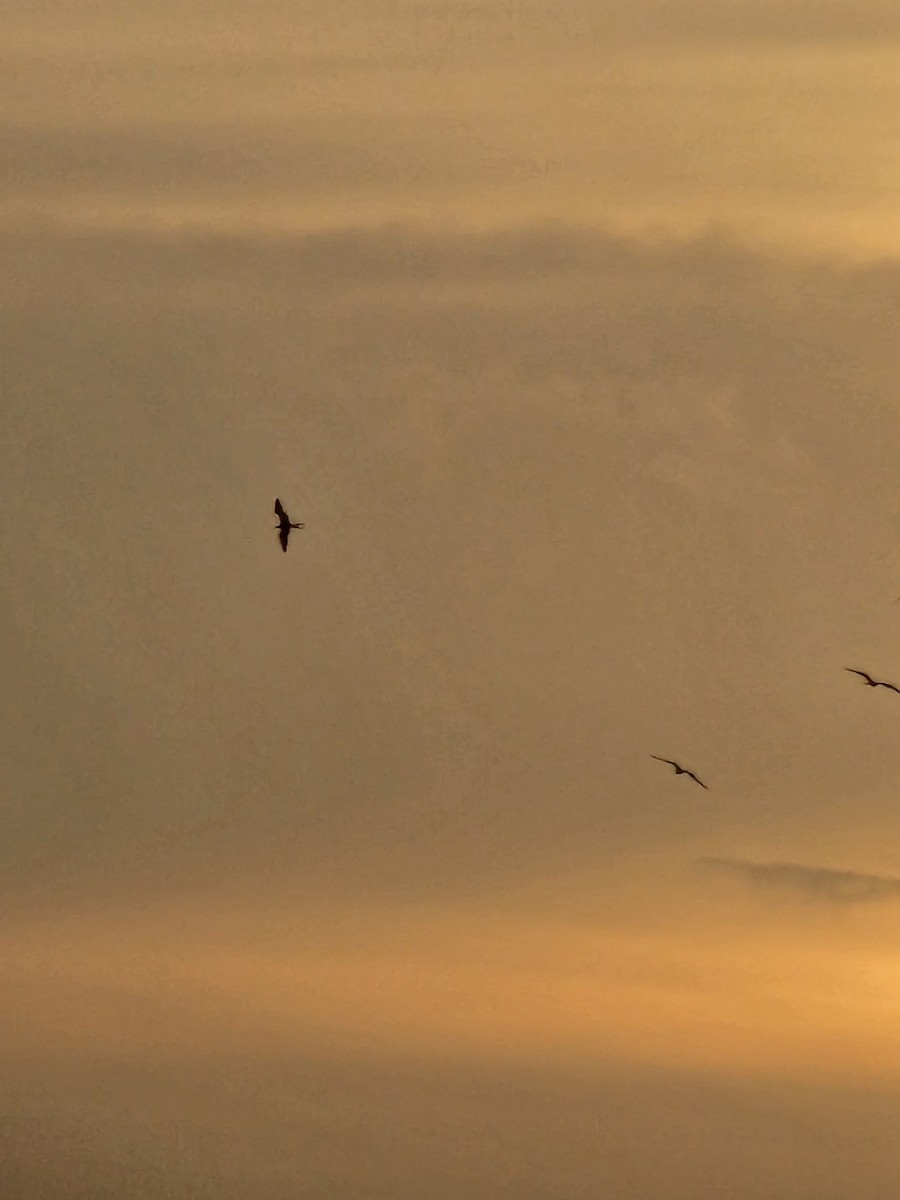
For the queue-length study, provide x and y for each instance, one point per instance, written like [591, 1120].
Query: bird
[873, 682]
[285, 525]
[679, 770]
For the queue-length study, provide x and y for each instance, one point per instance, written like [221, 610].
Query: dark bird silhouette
[679, 770]
[873, 682]
[285, 526]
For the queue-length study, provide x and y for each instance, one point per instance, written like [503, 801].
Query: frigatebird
[679, 770]
[285, 526]
[873, 682]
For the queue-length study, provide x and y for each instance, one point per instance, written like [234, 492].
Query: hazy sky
[570, 331]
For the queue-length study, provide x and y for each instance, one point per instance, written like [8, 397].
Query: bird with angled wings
[873, 682]
[679, 770]
[285, 525]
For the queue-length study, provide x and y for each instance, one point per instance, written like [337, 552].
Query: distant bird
[873, 682]
[679, 770]
[285, 526]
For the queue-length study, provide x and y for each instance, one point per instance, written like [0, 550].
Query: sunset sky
[570, 331]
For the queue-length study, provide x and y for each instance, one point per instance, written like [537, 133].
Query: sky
[570, 332]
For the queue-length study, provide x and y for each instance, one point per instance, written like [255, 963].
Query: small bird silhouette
[873, 682]
[679, 770]
[285, 526]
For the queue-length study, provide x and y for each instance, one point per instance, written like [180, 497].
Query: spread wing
[283, 534]
[279, 511]
[892, 687]
[861, 674]
[665, 760]
[696, 780]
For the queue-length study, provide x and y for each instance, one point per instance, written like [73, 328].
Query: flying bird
[873, 682]
[285, 525]
[679, 770]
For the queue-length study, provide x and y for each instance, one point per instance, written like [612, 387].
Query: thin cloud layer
[259, 1129]
[821, 883]
[641, 115]
[553, 463]
[244, 159]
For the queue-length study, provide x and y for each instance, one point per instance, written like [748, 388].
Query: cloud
[246, 1124]
[226, 1053]
[745, 20]
[466, 110]
[322, 158]
[542, 469]
[470, 27]
[821, 883]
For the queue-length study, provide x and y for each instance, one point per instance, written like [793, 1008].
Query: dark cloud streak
[314, 159]
[820, 883]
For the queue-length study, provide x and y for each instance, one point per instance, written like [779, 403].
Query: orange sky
[570, 333]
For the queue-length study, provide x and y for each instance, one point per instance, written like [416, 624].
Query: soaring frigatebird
[680, 770]
[872, 682]
[285, 526]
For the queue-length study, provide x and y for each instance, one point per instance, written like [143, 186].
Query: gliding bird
[285, 526]
[873, 682]
[679, 770]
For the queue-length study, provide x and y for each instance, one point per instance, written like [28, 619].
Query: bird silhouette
[679, 770]
[873, 682]
[285, 525]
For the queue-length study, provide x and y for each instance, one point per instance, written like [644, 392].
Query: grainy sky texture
[571, 332]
